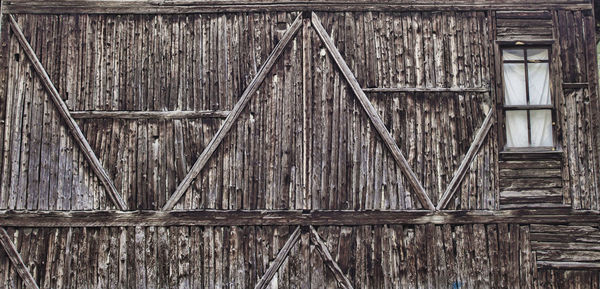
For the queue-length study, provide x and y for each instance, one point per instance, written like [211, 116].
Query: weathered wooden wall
[303, 119]
[151, 87]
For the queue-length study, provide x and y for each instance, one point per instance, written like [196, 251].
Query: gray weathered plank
[96, 114]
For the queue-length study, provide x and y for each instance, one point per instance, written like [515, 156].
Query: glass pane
[513, 54]
[541, 128]
[514, 84]
[537, 54]
[516, 128]
[539, 83]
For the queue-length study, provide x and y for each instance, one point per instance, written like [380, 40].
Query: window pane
[516, 128]
[537, 54]
[514, 84]
[513, 54]
[539, 83]
[541, 127]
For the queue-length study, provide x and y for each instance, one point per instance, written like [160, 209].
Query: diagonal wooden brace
[233, 116]
[281, 256]
[16, 259]
[342, 280]
[466, 162]
[373, 115]
[65, 114]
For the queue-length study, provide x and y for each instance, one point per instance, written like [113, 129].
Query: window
[528, 108]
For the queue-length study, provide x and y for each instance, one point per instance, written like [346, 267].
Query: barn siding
[303, 143]
[265, 155]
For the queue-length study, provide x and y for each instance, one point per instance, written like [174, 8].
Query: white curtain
[513, 54]
[514, 84]
[516, 128]
[539, 83]
[541, 127]
[537, 54]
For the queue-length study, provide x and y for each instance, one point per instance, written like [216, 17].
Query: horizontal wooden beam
[214, 6]
[277, 218]
[120, 114]
[575, 85]
[424, 89]
[568, 265]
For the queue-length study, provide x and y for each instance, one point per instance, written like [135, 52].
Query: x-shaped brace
[257, 81]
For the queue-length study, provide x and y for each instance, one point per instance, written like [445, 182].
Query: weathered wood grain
[163, 6]
[467, 159]
[150, 90]
[281, 256]
[424, 89]
[95, 114]
[342, 280]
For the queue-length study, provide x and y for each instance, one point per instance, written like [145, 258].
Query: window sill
[531, 153]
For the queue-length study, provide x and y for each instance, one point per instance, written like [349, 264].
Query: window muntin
[527, 99]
